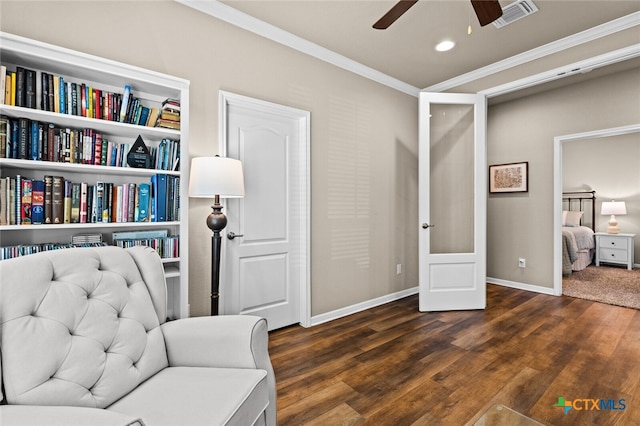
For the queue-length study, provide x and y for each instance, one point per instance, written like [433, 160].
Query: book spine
[99, 195]
[44, 135]
[161, 198]
[3, 83]
[75, 203]
[132, 202]
[5, 131]
[21, 75]
[15, 139]
[37, 202]
[126, 94]
[4, 201]
[83, 202]
[97, 145]
[62, 96]
[25, 210]
[14, 84]
[57, 199]
[144, 192]
[44, 100]
[30, 89]
[52, 96]
[68, 197]
[74, 99]
[33, 140]
[7, 88]
[48, 199]
[23, 142]
[12, 200]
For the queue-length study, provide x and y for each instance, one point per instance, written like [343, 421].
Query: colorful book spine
[25, 210]
[37, 202]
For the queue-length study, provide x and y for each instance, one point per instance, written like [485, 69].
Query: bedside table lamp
[613, 208]
[216, 177]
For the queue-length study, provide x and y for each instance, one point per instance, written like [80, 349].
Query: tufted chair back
[81, 326]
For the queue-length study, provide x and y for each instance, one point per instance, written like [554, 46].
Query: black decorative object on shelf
[139, 156]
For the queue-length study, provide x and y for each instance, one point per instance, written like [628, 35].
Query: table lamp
[613, 208]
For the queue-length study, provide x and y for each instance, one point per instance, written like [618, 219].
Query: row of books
[165, 245]
[45, 91]
[55, 200]
[9, 252]
[26, 139]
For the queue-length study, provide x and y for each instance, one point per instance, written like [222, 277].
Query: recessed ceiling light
[445, 45]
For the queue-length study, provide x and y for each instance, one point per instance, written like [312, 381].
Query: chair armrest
[34, 415]
[227, 341]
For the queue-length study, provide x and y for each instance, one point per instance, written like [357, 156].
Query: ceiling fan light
[445, 46]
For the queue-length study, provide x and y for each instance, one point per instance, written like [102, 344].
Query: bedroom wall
[521, 224]
[611, 167]
[364, 136]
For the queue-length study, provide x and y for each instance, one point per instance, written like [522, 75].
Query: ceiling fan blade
[394, 13]
[487, 11]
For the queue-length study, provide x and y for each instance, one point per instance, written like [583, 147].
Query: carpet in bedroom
[606, 284]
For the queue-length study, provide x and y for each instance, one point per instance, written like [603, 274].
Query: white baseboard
[358, 307]
[521, 286]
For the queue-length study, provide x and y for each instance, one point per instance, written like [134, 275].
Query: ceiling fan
[487, 11]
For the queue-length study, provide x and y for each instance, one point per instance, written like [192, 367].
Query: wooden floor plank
[393, 365]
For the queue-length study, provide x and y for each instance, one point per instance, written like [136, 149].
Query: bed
[578, 229]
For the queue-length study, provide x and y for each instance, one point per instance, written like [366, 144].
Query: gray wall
[364, 136]
[521, 225]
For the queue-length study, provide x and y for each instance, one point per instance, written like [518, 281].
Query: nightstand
[614, 248]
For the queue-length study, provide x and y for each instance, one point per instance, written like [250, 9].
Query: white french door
[452, 201]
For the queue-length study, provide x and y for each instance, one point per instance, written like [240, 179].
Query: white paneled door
[452, 201]
[265, 266]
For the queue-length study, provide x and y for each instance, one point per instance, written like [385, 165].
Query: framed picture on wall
[512, 177]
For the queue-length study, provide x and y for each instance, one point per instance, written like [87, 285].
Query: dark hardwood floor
[393, 365]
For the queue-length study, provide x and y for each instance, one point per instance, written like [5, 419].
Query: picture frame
[511, 177]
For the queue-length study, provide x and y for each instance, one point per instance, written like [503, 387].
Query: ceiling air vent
[514, 11]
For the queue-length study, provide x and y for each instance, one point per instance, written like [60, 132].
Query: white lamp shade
[211, 176]
[613, 207]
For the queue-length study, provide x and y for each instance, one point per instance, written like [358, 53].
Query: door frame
[558, 142]
[479, 255]
[227, 99]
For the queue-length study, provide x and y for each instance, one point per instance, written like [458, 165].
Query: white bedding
[583, 237]
[583, 241]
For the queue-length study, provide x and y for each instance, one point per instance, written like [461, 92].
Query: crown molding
[603, 30]
[240, 19]
[580, 67]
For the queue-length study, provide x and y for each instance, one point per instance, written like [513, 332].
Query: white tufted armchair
[83, 341]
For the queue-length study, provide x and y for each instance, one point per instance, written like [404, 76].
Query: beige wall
[611, 167]
[521, 225]
[363, 135]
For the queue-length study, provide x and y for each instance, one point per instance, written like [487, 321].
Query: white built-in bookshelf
[151, 89]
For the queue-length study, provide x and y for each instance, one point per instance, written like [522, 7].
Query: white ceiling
[405, 51]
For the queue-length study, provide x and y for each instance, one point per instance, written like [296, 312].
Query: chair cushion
[198, 395]
[77, 327]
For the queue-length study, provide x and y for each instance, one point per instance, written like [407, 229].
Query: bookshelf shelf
[50, 166]
[148, 87]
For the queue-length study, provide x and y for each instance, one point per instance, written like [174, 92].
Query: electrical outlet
[522, 263]
[399, 268]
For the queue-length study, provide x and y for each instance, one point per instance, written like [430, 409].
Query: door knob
[426, 225]
[231, 235]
